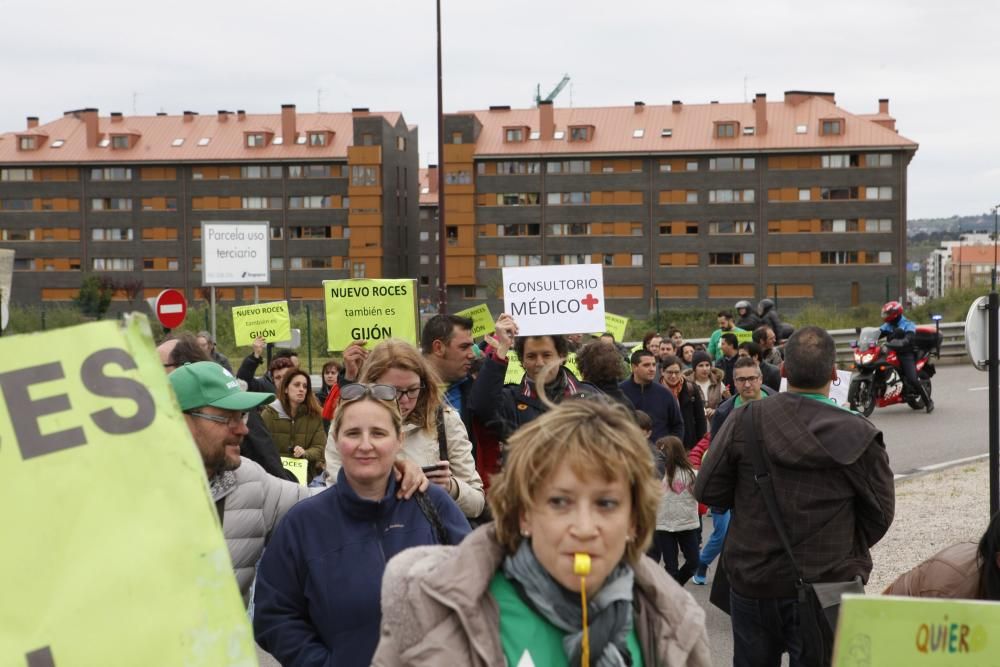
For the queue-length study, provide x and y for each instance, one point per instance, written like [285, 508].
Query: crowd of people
[447, 512]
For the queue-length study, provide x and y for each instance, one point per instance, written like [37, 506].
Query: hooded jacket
[317, 596]
[952, 572]
[714, 397]
[438, 610]
[305, 431]
[834, 488]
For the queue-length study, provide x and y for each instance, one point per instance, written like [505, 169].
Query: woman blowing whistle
[578, 486]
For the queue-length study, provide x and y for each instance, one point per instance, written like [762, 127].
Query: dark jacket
[771, 375]
[659, 404]
[259, 448]
[318, 585]
[614, 392]
[305, 430]
[727, 406]
[693, 412]
[503, 409]
[727, 365]
[834, 488]
[247, 371]
[748, 322]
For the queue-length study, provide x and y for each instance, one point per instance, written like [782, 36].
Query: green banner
[112, 551]
[887, 631]
[482, 320]
[267, 320]
[370, 310]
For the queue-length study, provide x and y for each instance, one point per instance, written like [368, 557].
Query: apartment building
[696, 205]
[428, 249]
[125, 196]
[973, 265]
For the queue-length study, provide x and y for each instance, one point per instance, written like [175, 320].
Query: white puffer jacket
[255, 503]
[422, 448]
[678, 509]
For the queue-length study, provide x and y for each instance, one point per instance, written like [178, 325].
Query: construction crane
[555, 91]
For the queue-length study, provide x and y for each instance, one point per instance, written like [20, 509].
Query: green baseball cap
[207, 383]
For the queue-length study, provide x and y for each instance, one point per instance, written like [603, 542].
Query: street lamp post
[993, 328]
[442, 180]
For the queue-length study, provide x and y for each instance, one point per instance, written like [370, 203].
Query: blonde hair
[595, 438]
[395, 353]
[390, 406]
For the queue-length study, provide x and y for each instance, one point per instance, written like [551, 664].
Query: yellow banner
[615, 325]
[370, 310]
[299, 468]
[269, 320]
[744, 336]
[886, 631]
[515, 371]
[482, 320]
[103, 564]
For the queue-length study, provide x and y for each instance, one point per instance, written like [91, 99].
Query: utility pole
[993, 329]
[442, 236]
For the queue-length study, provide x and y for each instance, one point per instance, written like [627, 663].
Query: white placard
[838, 389]
[235, 252]
[555, 299]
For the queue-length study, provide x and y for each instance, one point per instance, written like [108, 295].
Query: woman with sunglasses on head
[294, 420]
[317, 594]
[433, 433]
[575, 509]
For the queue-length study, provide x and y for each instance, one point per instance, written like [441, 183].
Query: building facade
[694, 205]
[428, 249]
[125, 197]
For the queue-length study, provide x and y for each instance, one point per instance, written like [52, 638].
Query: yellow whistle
[581, 564]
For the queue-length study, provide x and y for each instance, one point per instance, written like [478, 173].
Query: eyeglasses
[382, 392]
[410, 393]
[231, 422]
[671, 372]
[746, 380]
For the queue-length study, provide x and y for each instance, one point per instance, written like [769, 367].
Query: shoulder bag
[819, 603]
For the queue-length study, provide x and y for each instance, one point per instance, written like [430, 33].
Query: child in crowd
[677, 522]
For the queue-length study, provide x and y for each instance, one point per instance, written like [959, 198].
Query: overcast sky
[938, 63]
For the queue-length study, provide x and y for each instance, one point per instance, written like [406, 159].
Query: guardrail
[952, 347]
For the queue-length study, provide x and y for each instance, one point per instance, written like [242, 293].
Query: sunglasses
[382, 392]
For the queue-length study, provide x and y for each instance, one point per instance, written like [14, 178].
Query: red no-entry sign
[170, 308]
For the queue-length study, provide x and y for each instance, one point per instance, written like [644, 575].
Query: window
[608, 259]
[838, 257]
[559, 135]
[111, 233]
[255, 140]
[884, 257]
[111, 204]
[119, 141]
[17, 235]
[177, 142]
[801, 129]
[570, 229]
[730, 196]
[113, 264]
[838, 193]
[691, 165]
[277, 263]
[317, 138]
[878, 225]
[666, 132]
[309, 171]
[309, 201]
[568, 167]
[513, 167]
[678, 259]
[305, 263]
[456, 137]
[260, 171]
[878, 159]
[805, 194]
[517, 199]
[838, 226]
[691, 197]
[261, 202]
[838, 161]
[425, 236]
[731, 259]
[364, 176]
[579, 133]
[732, 164]
[357, 269]
[638, 134]
[517, 230]
[111, 174]
[17, 175]
[568, 259]
[459, 177]
[883, 192]
[569, 198]
[831, 127]
[725, 130]
[27, 143]
[734, 227]
[637, 259]
[275, 232]
[514, 135]
[678, 229]
[519, 260]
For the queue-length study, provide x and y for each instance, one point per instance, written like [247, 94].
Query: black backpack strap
[442, 436]
[762, 476]
[431, 514]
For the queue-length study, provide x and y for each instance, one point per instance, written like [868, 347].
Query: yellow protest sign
[744, 336]
[515, 371]
[482, 320]
[299, 468]
[615, 325]
[884, 631]
[268, 320]
[103, 565]
[371, 310]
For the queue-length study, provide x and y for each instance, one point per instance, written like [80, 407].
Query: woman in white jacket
[433, 433]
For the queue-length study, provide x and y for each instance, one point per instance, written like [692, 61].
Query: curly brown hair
[599, 363]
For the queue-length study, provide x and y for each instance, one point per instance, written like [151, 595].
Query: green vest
[527, 636]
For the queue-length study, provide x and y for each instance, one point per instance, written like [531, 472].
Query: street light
[994, 367]
[442, 237]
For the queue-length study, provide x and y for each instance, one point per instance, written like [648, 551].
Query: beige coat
[437, 610]
[715, 388]
[950, 573]
[422, 448]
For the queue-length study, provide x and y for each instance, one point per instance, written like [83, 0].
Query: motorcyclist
[769, 316]
[900, 331]
[746, 319]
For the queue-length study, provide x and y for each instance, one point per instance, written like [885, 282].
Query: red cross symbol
[589, 302]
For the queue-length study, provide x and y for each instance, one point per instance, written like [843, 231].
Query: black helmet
[765, 305]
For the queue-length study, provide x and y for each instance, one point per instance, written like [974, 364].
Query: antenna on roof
[552, 95]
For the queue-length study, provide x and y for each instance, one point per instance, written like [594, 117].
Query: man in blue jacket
[652, 398]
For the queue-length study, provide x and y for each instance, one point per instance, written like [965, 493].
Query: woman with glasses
[688, 398]
[317, 594]
[294, 421]
[575, 510]
[433, 433]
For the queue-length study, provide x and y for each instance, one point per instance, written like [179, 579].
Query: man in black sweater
[652, 398]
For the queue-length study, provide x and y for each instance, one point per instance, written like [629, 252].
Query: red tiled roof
[428, 197]
[692, 129]
[157, 134]
[973, 254]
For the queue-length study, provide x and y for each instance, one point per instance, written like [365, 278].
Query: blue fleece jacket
[659, 403]
[319, 582]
